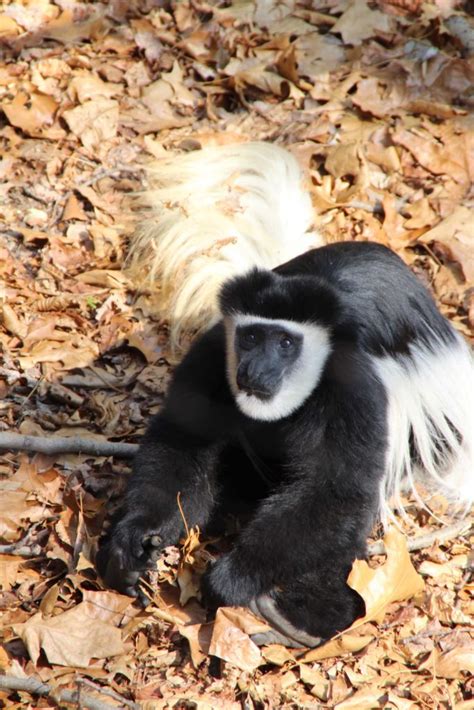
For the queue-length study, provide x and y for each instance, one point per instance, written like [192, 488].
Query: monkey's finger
[266, 638]
[152, 539]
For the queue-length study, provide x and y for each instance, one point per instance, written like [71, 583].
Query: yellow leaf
[393, 581]
[8, 26]
[337, 647]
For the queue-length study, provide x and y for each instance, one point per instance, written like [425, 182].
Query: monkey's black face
[273, 365]
[265, 354]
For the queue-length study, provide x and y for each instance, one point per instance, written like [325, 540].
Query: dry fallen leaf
[453, 663]
[359, 22]
[374, 99]
[346, 643]
[231, 637]
[363, 699]
[94, 122]
[455, 235]
[30, 113]
[70, 639]
[394, 581]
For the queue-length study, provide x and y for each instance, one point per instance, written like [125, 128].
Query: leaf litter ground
[375, 101]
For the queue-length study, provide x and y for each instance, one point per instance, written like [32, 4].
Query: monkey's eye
[286, 342]
[249, 338]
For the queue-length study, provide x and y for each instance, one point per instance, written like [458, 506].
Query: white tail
[214, 213]
[430, 422]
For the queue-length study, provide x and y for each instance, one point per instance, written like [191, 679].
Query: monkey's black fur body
[314, 476]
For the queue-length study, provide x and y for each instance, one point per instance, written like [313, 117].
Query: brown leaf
[433, 155]
[455, 234]
[9, 565]
[65, 30]
[11, 321]
[421, 214]
[71, 638]
[230, 638]
[343, 160]
[452, 663]
[108, 278]
[109, 606]
[359, 22]
[364, 699]
[8, 26]
[253, 72]
[344, 644]
[199, 637]
[16, 507]
[278, 655]
[378, 99]
[73, 209]
[317, 54]
[88, 86]
[395, 580]
[30, 113]
[94, 121]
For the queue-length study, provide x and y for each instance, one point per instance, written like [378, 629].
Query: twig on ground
[421, 541]
[428, 633]
[75, 697]
[65, 445]
[107, 691]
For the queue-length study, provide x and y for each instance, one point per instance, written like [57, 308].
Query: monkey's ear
[242, 294]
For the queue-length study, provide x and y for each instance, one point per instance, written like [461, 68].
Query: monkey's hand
[132, 546]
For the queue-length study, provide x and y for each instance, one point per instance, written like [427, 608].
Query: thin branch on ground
[106, 691]
[421, 541]
[65, 445]
[60, 697]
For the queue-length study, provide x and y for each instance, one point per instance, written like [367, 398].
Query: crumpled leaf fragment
[94, 122]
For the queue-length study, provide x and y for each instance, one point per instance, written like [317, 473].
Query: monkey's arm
[177, 457]
[170, 465]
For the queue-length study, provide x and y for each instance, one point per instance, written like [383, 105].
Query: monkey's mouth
[263, 395]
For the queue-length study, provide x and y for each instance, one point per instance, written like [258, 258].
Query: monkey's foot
[283, 631]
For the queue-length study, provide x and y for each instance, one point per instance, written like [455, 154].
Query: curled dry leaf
[11, 321]
[347, 643]
[394, 581]
[231, 641]
[451, 664]
[453, 236]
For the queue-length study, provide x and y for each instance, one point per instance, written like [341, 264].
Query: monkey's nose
[251, 387]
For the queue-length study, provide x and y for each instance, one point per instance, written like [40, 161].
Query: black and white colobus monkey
[324, 384]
